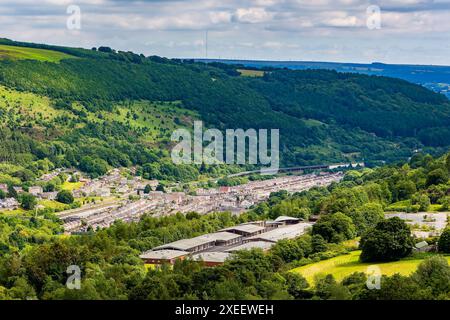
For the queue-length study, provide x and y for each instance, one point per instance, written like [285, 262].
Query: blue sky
[412, 31]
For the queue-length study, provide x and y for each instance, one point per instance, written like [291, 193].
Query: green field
[343, 266]
[251, 73]
[23, 53]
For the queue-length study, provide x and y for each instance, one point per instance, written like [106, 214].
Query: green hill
[22, 53]
[119, 108]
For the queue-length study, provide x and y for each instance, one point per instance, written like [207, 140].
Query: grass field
[251, 73]
[70, 186]
[342, 266]
[23, 53]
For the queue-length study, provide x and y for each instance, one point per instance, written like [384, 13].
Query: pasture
[343, 266]
[24, 53]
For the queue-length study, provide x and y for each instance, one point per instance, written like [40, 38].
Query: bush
[65, 196]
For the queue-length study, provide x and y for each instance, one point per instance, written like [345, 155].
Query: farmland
[343, 266]
[22, 53]
[250, 73]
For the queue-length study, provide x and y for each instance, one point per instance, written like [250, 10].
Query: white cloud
[264, 29]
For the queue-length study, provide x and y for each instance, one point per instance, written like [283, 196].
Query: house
[9, 203]
[36, 190]
[4, 187]
[49, 195]
[103, 192]
[18, 189]
[123, 189]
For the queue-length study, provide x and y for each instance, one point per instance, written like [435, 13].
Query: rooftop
[219, 257]
[247, 228]
[286, 218]
[290, 232]
[163, 254]
[264, 245]
[187, 244]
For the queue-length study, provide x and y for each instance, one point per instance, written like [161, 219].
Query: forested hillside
[106, 102]
[34, 255]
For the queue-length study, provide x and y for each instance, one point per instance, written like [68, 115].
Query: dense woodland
[35, 256]
[323, 116]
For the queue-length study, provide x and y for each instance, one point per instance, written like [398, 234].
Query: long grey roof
[289, 232]
[248, 228]
[163, 254]
[264, 245]
[187, 244]
[211, 256]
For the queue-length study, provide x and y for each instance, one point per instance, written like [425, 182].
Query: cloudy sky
[405, 31]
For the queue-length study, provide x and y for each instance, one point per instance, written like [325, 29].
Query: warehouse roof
[286, 218]
[163, 254]
[264, 245]
[218, 257]
[289, 232]
[245, 228]
[187, 244]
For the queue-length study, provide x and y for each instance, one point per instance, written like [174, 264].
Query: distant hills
[436, 78]
[99, 108]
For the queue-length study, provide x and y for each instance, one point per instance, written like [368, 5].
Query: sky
[361, 31]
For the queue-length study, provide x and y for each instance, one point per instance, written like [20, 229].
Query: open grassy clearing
[343, 266]
[250, 73]
[70, 186]
[23, 53]
[154, 120]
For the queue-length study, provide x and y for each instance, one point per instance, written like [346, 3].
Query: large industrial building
[214, 248]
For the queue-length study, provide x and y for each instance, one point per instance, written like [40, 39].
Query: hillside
[119, 108]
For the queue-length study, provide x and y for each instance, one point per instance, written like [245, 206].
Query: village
[131, 202]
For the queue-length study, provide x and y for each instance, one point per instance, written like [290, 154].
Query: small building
[103, 192]
[9, 204]
[211, 259]
[49, 195]
[18, 189]
[4, 187]
[123, 189]
[225, 189]
[163, 256]
[36, 190]
[423, 247]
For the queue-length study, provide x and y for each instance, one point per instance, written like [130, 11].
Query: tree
[2, 194]
[27, 201]
[297, 285]
[65, 196]
[147, 189]
[434, 274]
[444, 241]
[335, 227]
[161, 188]
[390, 240]
[436, 177]
[423, 201]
